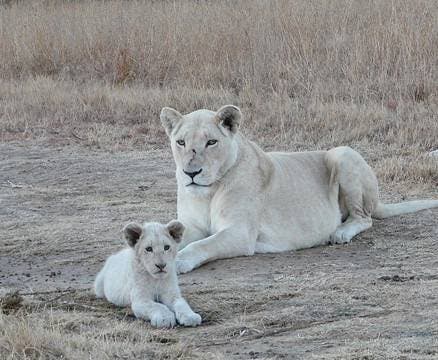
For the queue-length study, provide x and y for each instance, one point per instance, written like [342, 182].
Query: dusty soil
[61, 212]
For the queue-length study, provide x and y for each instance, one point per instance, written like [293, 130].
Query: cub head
[155, 245]
[203, 144]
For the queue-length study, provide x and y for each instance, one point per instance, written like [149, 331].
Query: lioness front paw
[339, 237]
[184, 266]
[163, 319]
[189, 319]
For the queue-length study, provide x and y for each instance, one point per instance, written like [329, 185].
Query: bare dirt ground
[61, 212]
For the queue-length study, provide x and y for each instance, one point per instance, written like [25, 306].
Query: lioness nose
[192, 174]
[160, 266]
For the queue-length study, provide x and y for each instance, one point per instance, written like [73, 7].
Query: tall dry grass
[307, 74]
[344, 50]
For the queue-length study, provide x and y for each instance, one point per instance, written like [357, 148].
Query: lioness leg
[236, 240]
[355, 184]
[350, 228]
[191, 234]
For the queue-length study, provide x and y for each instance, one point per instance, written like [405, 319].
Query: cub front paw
[190, 319]
[163, 319]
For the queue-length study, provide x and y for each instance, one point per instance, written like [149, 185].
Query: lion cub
[144, 275]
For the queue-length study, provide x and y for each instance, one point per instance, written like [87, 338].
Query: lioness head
[203, 144]
[155, 245]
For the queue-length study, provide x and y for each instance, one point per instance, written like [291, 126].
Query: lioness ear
[132, 233]
[169, 118]
[229, 117]
[176, 230]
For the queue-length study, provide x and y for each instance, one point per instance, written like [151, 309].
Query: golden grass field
[82, 152]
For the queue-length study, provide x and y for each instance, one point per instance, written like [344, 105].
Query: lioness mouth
[195, 184]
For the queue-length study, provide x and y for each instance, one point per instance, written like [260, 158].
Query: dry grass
[69, 334]
[345, 50]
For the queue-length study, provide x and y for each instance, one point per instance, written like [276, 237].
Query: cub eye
[149, 249]
[211, 143]
[181, 142]
[166, 247]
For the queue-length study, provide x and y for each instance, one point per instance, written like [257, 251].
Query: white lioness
[144, 275]
[235, 199]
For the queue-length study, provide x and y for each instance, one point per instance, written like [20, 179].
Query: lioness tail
[384, 211]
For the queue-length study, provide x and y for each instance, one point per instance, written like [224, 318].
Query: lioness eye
[181, 142]
[149, 249]
[211, 142]
[166, 247]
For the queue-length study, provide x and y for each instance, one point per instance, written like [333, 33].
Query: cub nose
[192, 174]
[160, 266]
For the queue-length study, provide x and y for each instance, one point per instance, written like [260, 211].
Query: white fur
[252, 201]
[131, 277]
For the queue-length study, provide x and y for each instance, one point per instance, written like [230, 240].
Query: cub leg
[357, 189]
[184, 314]
[158, 314]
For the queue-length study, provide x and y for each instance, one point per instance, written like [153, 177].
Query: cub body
[144, 275]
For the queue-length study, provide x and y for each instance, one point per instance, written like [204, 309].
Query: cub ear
[169, 118]
[176, 230]
[132, 233]
[229, 117]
